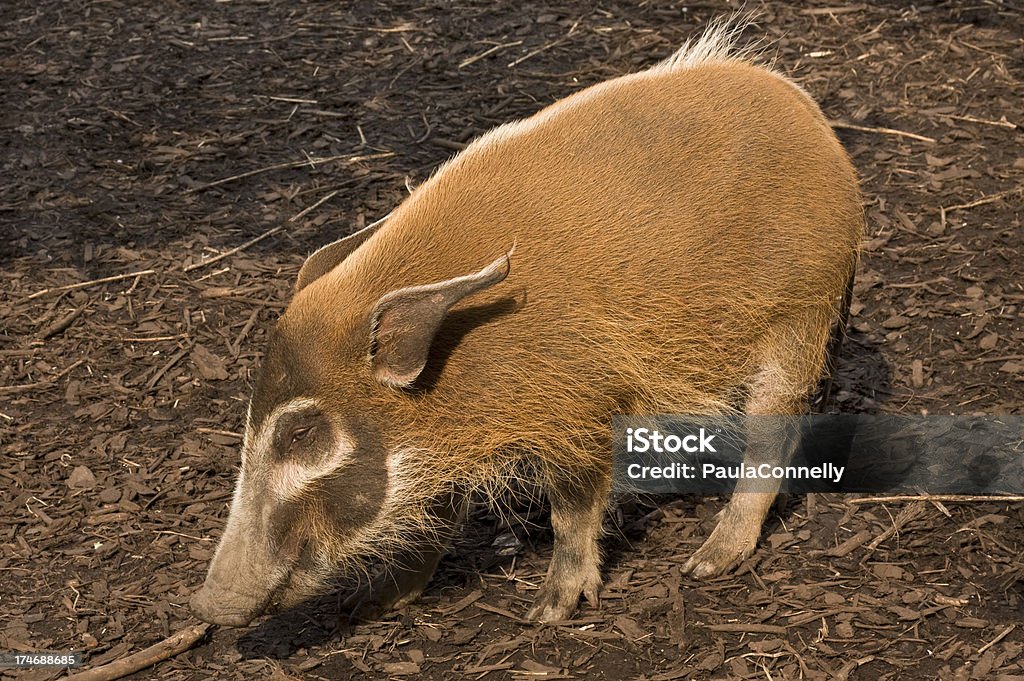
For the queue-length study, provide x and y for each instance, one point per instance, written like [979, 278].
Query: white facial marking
[259, 444]
[290, 478]
[403, 475]
[245, 433]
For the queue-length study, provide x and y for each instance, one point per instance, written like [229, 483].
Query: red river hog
[674, 241]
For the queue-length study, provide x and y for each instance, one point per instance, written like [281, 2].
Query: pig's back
[661, 222]
[723, 177]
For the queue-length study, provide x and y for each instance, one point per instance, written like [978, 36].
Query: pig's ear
[330, 256]
[404, 322]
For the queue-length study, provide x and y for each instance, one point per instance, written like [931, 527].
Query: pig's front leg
[577, 511]
[403, 582]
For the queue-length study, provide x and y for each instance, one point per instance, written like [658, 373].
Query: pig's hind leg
[405, 580]
[778, 395]
[577, 514]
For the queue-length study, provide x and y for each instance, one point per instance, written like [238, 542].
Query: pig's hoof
[548, 607]
[555, 604]
[362, 606]
[723, 550]
[369, 604]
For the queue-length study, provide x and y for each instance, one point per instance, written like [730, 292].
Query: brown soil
[145, 137]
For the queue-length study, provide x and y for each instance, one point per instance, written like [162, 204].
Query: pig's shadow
[864, 378]
[311, 624]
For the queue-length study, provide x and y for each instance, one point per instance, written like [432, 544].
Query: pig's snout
[217, 605]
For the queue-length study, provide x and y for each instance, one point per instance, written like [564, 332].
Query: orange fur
[666, 223]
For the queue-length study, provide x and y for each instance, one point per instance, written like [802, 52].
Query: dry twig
[92, 282]
[169, 647]
[910, 512]
[291, 164]
[1001, 123]
[848, 9]
[236, 249]
[1003, 634]
[842, 125]
[747, 628]
[447, 144]
[998, 358]
[61, 324]
[534, 53]
[45, 383]
[943, 211]
[492, 50]
[215, 431]
[948, 498]
[316, 205]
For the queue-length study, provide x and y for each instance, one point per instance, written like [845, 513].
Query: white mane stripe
[720, 42]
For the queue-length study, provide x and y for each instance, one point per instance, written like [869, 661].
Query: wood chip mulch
[191, 154]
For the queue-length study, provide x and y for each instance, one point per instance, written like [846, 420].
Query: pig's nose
[217, 606]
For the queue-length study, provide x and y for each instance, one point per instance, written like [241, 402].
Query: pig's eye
[301, 433]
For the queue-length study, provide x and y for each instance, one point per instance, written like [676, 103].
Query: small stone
[81, 478]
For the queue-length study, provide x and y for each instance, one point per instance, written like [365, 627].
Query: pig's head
[315, 484]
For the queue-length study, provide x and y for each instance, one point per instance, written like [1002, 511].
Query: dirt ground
[197, 151]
